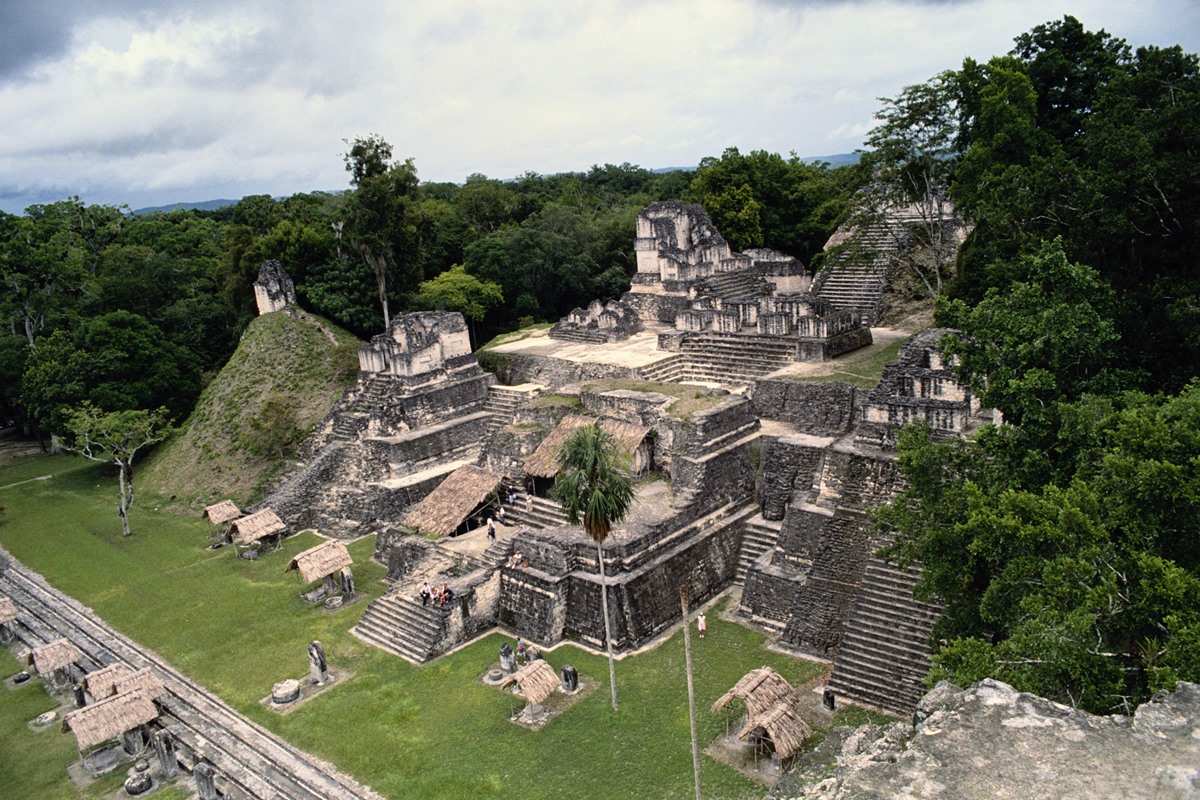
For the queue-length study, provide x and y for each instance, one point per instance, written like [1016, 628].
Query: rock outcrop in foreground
[991, 741]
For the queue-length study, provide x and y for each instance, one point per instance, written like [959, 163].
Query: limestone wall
[789, 465]
[824, 409]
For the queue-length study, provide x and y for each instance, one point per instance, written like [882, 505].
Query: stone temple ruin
[752, 478]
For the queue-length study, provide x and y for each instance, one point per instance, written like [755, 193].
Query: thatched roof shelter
[222, 512]
[56, 655]
[315, 563]
[109, 718]
[455, 499]
[8, 610]
[543, 462]
[784, 727]
[256, 526]
[760, 689]
[102, 682]
[537, 680]
[142, 680]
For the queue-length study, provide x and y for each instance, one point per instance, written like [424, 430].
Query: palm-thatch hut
[8, 619]
[322, 563]
[262, 525]
[536, 681]
[771, 720]
[101, 683]
[120, 716]
[760, 689]
[778, 728]
[542, 464]
[54, 662]
[222, 512]
[458, 501]
[141, 680]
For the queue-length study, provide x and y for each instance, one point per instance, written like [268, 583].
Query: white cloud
[217, 99]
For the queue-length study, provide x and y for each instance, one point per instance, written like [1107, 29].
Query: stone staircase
[577, 335]
[347, 425]
[400, 625]
[502, 402]
[669, 370]
[758, 536]
[884, 654]
[375, 391]
[733, 359]
[739, 284]
[534, 512]
[856, 277]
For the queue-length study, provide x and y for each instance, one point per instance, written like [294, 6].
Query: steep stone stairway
[856, 277]
[884, 655]
[758, 536]
[400, 625]
[502, 402]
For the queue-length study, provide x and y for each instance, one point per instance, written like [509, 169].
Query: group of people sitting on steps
[435, 595]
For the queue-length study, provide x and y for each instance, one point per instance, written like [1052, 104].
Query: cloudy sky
[144, 102]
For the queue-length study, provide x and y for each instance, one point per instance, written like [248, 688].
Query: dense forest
[128, 311]
[1064, 543]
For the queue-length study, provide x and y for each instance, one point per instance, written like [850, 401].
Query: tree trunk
[126, 498]
[612, 670]
[687, 659]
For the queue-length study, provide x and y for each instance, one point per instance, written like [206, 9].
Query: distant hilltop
[838, 160]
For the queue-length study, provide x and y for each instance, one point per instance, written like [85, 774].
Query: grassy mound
[288, 371]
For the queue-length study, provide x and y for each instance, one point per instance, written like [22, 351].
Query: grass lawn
[860, 368]
[436, 731]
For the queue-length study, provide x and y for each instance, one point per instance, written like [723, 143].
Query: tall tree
[382, 213]
[914, 152]
[116, 438]
[595, 491]
[455, 290]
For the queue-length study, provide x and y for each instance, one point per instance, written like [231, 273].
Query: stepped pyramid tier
[599, 322]
[416, 414]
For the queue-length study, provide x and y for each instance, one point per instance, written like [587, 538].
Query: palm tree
[594, 491]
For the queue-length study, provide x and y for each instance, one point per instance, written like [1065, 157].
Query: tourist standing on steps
[702, 624]
[491, 530]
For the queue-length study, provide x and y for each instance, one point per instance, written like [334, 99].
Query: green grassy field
[436, 731]
[860, 368]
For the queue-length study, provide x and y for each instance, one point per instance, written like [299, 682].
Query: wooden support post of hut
[770, 719]
[260, 528]
[122, 716]
[537, 680]
[8, 619]
[464, 497]
[220, 514]
[632, 442]
[55, 662]
[324, 563]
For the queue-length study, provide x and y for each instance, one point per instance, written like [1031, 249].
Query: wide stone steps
[759, 536]
[400, 625]
[576, 335]
[884, 654]
[665, 371]
[534, 512]
[740, 284]
[347, 425]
